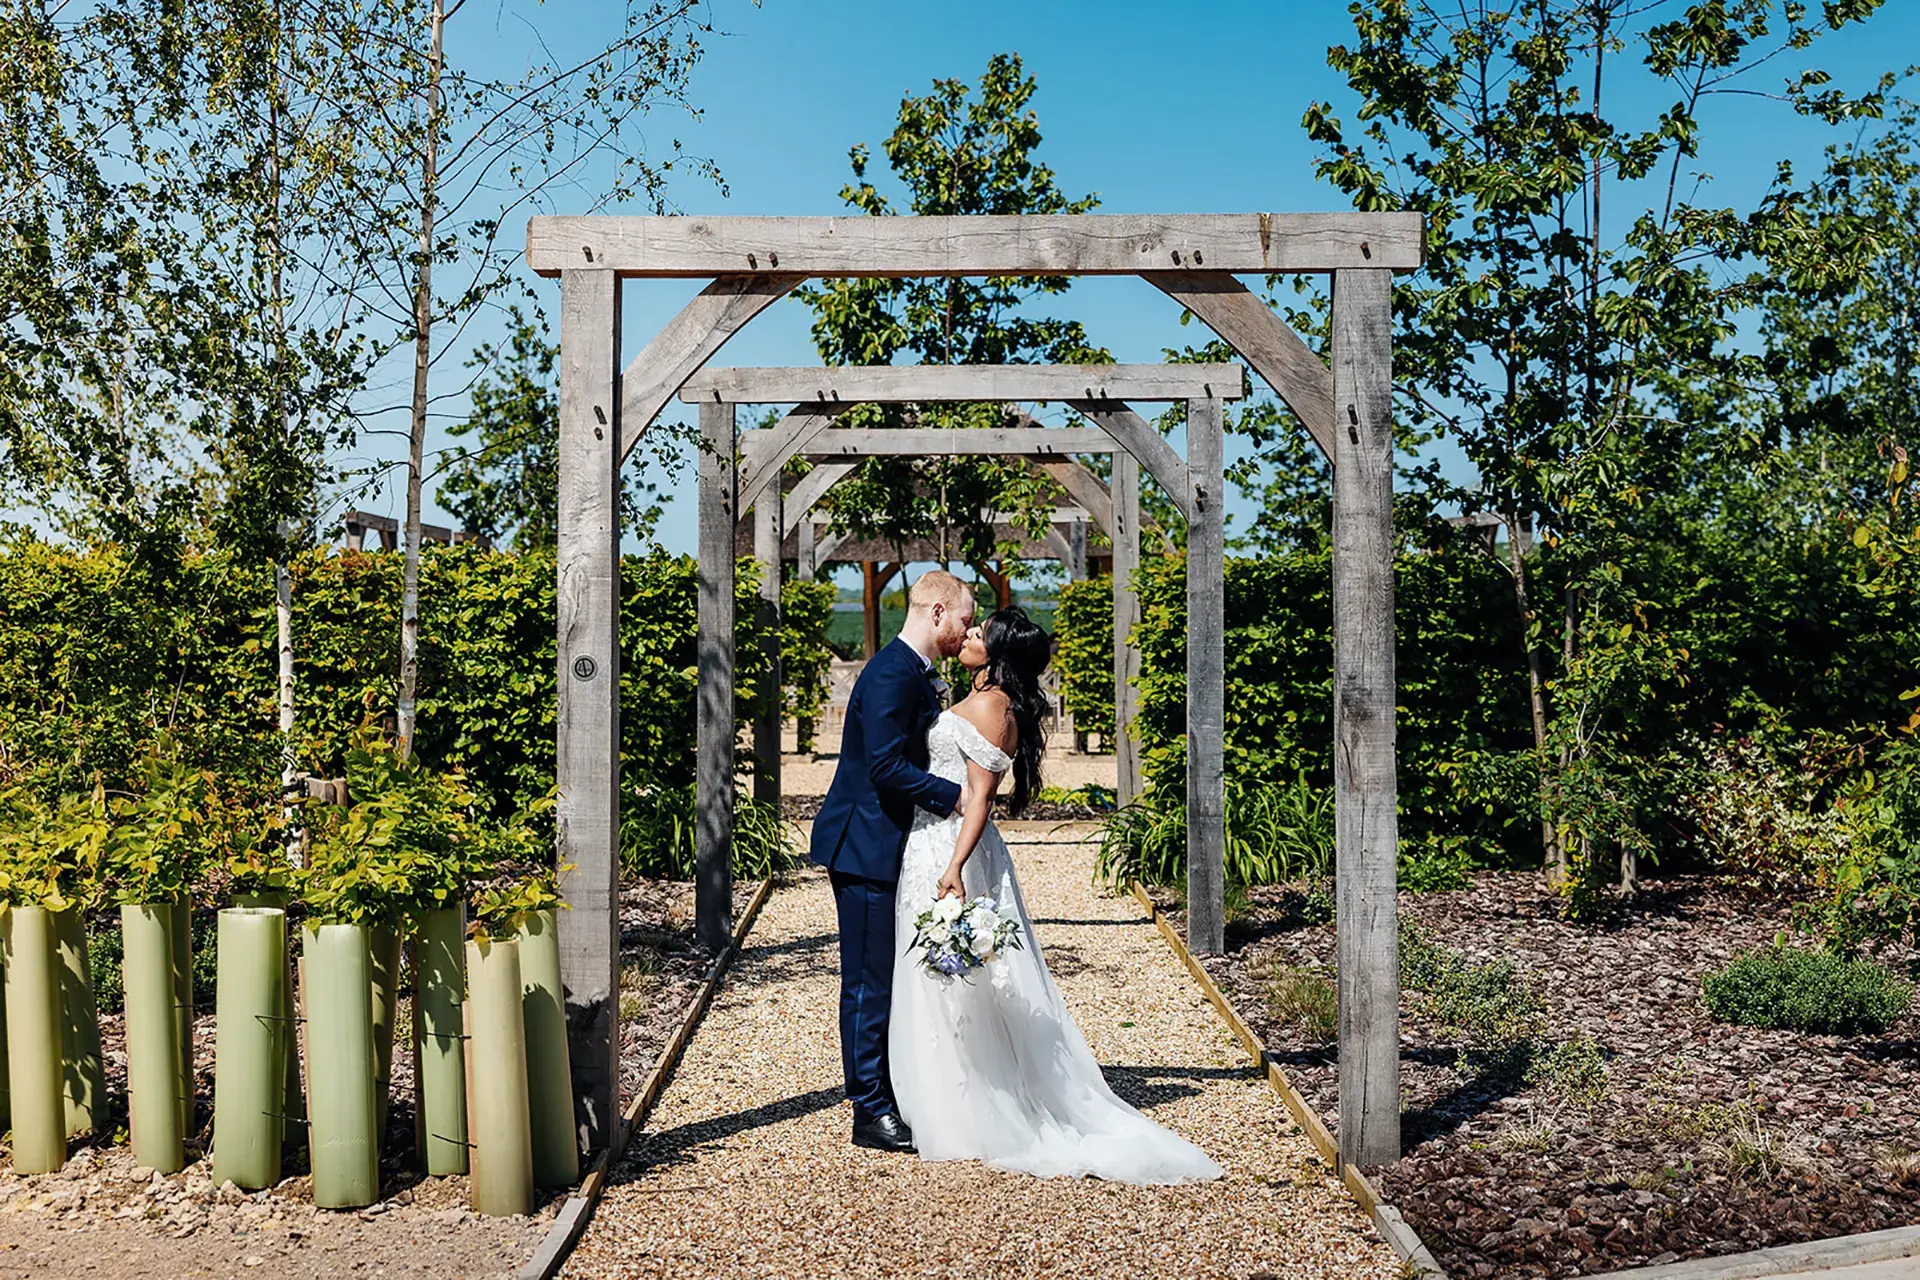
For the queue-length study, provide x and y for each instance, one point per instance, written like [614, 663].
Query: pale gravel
[744, 1169]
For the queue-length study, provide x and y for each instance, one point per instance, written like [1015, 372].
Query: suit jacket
[882, 776]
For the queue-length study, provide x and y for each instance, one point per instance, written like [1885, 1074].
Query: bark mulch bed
[1710, 1139]
[183, 1224]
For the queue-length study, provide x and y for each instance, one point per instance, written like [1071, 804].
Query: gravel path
[745, 1169]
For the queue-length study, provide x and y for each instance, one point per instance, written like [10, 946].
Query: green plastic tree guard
[503, 1142]
[342, 1141]
[385, 992]
[153, 1047]
[82, 1064]
[293, 1132]
[33, 1039]
[249, 1068]
[182, 939]
[439, 1045]
[556, 1154]
[6, 1111]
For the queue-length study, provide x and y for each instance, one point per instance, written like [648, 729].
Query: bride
[995, 1069]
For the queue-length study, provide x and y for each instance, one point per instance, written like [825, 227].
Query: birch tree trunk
[422, 357]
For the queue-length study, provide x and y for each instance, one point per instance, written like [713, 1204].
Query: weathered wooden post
[1364, 786]
[766, 726]
[1126, 614]
[713, 852]
[1206, 680]
[587, 759]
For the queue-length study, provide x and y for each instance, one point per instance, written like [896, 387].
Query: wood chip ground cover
[101, 1216]
[744, 1169]
[1710, 1139]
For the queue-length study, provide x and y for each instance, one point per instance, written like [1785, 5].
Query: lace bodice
[953, 740]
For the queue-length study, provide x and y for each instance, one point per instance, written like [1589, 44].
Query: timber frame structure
[752, 262]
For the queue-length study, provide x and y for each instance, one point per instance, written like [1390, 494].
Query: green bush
[1492, 1009]
[1435, 864]
[658, 828]
[1785, 988]
[1306, 1001]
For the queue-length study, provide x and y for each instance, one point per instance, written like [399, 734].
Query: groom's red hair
[937, 586]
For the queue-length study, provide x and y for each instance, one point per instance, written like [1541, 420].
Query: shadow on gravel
[1147, 1087]
[1079, 924]
[680, 1146]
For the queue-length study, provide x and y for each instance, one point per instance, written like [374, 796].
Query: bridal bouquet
[955, 937]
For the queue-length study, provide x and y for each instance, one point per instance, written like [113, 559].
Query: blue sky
[1157, 108]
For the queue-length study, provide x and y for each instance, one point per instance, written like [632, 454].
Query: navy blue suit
[859, 836]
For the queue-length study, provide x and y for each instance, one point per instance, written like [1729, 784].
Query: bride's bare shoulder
[989, 711]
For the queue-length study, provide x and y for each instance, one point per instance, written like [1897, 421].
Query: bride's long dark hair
[1017, 652]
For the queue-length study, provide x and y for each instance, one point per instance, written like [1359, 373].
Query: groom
[862, 830]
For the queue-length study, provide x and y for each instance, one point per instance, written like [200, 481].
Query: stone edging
[1386, 1219]
[571, 1222]
[1815, 1255]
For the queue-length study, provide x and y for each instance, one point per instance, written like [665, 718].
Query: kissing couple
[954, 1069]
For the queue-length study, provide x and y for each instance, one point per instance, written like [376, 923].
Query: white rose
[983, 920]
[981, 944]
[939, 934]
[948, 909]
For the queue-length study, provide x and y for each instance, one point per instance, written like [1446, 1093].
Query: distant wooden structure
[753, 262]
[360, 523]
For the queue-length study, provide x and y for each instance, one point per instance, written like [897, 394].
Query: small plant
[1536, 1133]
[1899, 1163]
[1747, 1148]
[518, 859]
[1304, 1000]
[1786, 988]
[1490, 1008]
[160, 839]
[1435, 864]
[1089, 795]
[658, 828]
[1571, 1073]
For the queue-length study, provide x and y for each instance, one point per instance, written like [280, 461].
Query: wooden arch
[751, 263]
[752, 482]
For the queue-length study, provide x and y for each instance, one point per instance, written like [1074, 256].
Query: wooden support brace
[1126, 615]
[1364, 785]
[766, 725]
[714, 791]
[1276, 353]
[1136, 435]
[1206, 680]
[587, 747]
[688, 341]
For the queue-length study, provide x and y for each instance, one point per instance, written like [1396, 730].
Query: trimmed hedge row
[100, 650]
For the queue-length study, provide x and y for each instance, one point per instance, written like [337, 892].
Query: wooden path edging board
[1787, 1259]
[1386, 1219]
[571, 1222]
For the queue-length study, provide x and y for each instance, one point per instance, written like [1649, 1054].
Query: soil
[1500, 1177]
[103, 1215]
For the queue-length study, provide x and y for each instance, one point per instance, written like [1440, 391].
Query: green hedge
[1083, 653]
[1461, 678]
[100, 649]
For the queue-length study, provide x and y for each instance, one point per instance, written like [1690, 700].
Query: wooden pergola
[751, 263]
[740, 472]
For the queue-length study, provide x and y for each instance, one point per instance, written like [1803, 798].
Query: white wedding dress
[994, 1069]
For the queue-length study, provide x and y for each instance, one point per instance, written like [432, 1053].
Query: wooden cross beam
[1009, 245]
[846, 385]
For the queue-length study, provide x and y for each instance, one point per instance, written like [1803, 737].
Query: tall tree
[507, 484]
[959, 149]
[1570, 284]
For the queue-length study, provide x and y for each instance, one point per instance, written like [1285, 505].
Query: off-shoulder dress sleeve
[977, 749]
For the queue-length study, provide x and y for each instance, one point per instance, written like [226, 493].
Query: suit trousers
[865, 908]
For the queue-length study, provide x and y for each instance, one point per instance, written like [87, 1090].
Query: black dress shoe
[884, 1133]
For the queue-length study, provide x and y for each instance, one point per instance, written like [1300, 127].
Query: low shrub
[1571, 1073]
[1435, 864]
[1491, 1009]
[1788, 989]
